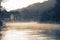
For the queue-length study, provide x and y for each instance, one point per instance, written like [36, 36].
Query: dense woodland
[40, 12]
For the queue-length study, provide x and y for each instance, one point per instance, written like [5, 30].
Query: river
[28, 34]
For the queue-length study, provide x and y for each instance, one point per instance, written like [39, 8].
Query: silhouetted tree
[57, 11]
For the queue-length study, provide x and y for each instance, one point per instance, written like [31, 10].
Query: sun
[15, 4]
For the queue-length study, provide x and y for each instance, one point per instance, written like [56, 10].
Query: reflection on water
[27, 35]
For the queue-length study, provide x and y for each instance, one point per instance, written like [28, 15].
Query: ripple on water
[26, 35]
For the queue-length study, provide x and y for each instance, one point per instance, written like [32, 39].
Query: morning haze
[38, 21]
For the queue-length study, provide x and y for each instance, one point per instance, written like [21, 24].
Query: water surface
[28, 34]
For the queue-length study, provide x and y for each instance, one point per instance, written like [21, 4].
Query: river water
[28, 34]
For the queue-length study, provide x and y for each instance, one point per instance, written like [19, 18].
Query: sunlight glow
[29, 25]
[23, 24]
[25, 35]
[15, 4]
[16, 35]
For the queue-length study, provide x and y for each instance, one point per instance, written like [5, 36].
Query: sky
[15, 4]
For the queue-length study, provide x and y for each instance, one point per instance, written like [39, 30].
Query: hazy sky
[15, 4]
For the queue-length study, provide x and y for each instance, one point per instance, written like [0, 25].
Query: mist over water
[45, 12]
